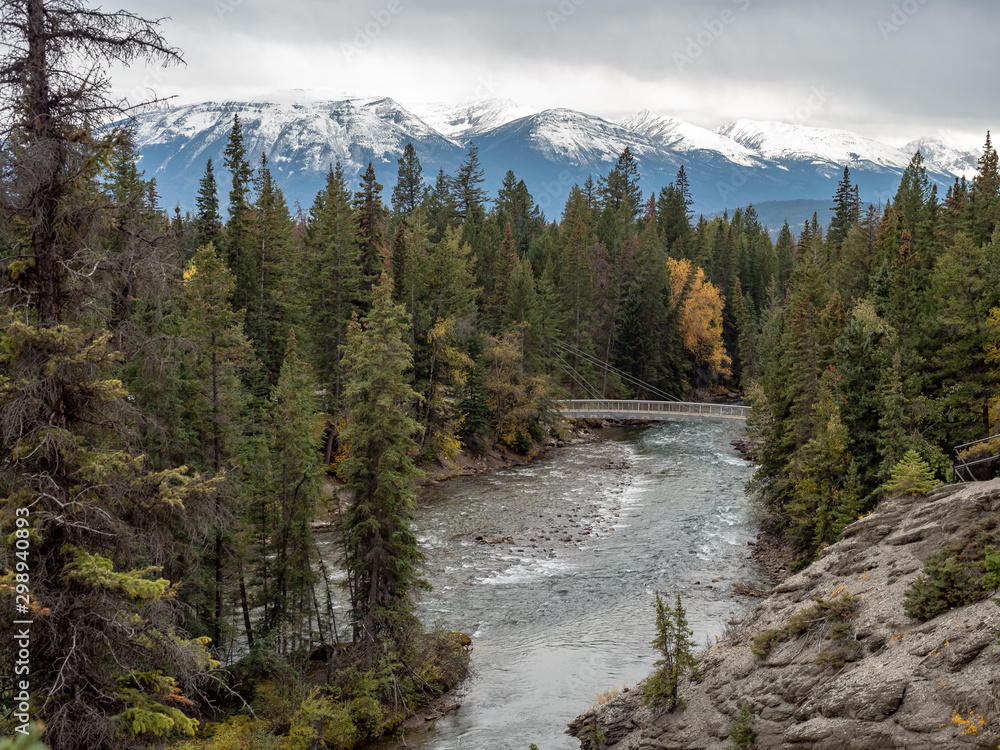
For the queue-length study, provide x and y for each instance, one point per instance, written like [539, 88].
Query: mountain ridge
[303, 134]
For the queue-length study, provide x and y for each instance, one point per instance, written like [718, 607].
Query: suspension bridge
[666, 408]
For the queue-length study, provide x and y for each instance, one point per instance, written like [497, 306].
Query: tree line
[883, 341]
[181, 395]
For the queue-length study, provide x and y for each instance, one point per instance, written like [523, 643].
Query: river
[557, 592]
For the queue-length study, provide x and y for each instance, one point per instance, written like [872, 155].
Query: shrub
[911, 476]
[741, 730]
[764, 642]
[961, 574]
[829, 616]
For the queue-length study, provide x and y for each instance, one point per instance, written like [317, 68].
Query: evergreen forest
[183, 395]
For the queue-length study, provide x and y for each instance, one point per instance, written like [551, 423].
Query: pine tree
[847, 211]
[440, 204]
[576, 291]
[372, 217]
[214, 333]
[468, 192]
[515, 206]
[293, 438]
[620, 189]
[677, 648]
[911, 476]
[984, 197]
[208, 222]
[240, 256]
[381, 548]
[409, 190]
[272, 300]
[333, 280]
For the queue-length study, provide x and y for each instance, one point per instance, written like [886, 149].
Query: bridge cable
[624, 375]
[582, 382]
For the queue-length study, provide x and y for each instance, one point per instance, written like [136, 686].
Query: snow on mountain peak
[949, 157]
[676, 134]
[463, 122]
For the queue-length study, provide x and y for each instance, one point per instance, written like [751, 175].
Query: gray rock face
[894, 682]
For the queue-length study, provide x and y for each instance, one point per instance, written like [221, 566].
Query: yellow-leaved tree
[698, 309]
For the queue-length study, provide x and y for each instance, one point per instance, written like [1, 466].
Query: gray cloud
[897, 68]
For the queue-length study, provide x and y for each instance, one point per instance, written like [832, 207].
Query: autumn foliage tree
[698, 307]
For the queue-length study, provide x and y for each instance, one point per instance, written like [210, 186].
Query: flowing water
[552, 569]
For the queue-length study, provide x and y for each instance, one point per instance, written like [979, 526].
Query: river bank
[552, 568]
[869, 679]
[496, 457]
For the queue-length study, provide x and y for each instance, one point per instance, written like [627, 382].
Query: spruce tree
[439, 204]
[218, 348]
[273, 300]
[294, 486]
[372, 217]
[847, 211]
[676, 647]
[467, 189]
[984, 197]
[240, 256]
[409, 190]
[620, 190]
[208, 222]
[382, 550]
[333, 280]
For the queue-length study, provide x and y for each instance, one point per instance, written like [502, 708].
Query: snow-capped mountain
[683, 136]
[303, 134]
[464, 122]
[961, 162]
[784, 142]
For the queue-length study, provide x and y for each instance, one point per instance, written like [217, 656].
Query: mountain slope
[303, 135]
[464, 122]
[300, 136]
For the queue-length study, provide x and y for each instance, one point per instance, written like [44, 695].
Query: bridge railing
[655, 407]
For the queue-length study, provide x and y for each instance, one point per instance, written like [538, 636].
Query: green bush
[764, 642]
[946, 583]
[961, 574]
[911, 476]
[741, 730]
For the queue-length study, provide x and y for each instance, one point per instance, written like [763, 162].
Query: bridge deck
[653, 411]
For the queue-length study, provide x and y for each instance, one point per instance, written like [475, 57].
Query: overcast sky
[890, 69]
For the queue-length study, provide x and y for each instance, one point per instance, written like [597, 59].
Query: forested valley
[183, 394]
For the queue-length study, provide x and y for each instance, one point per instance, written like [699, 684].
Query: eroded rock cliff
[868, 678]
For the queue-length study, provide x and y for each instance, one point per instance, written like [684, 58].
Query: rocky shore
[883, 680]
[497, 457]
